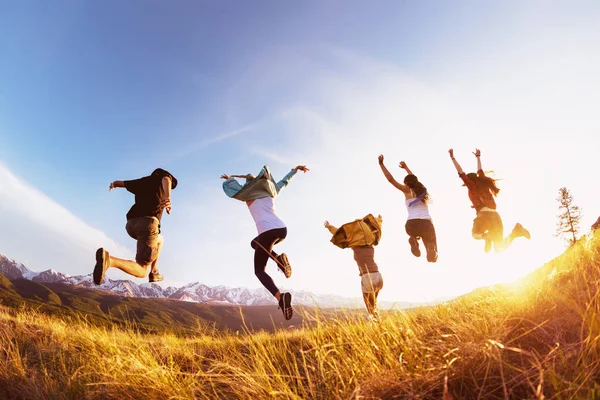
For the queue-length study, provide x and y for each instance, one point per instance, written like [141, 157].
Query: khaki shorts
[371, 282]
[146, 230]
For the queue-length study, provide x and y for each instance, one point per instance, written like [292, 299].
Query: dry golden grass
[533, 340]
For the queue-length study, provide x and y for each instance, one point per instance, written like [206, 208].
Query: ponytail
[420, 190]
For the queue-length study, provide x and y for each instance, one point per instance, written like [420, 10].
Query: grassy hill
[104, 309]
[535, 339]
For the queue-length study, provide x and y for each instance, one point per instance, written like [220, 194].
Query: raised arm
[405, 167]
[166, 189]
[331, 228]
[456, 164]
[390, 178]
[286, 179]
[478, 156]
[116, 184]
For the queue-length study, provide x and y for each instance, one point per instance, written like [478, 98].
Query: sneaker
[374, 319]
[155, 277]
[432, 254]
[519, 231]
[284, 265]
[414, 246]
[285, 304]
[102, 260]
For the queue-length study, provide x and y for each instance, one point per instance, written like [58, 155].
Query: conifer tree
[569, 216]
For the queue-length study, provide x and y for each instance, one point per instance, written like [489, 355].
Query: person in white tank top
[419, 224]
[271, 230]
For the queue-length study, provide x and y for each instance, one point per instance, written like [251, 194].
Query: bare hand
[477, 153]
[225, 176]
[451, 152]
[166, 204]
[403, 165]
[327, 224]
[302, 168]
[380, 158]
[112, 186]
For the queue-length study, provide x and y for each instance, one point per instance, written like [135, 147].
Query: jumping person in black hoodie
[152, 196]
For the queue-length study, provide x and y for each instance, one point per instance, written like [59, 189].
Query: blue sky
[96, 91]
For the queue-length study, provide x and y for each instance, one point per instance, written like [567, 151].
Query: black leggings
[263, 249]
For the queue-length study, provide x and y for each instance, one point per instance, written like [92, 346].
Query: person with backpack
[259, 195]
[361, 236]
[487, 225]
[152, 196]
[419, 224]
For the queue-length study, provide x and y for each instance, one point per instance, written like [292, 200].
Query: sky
[92, 92]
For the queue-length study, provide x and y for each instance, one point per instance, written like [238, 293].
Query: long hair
[413, 182]
[484, 183]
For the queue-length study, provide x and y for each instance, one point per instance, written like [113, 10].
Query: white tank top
[419, 210]
[263, 213]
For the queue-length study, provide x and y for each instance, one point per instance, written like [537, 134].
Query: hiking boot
[488, 246]
[432, 254]
[285, 304]
[102, 260]
[155, 277]
[519, 231]
[414, 246]
[284, 265]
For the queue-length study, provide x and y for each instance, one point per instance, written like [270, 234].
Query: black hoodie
[148, 194]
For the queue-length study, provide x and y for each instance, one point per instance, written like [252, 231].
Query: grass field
[535, 339]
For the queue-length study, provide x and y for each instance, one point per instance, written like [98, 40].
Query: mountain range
[194, 292]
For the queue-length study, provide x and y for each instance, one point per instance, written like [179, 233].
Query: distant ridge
[194, 292]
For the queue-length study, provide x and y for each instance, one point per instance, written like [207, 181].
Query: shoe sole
[414, 247]
[154, 280]
[288, 311]
[284, 265]
[522, 231]
[99, 268]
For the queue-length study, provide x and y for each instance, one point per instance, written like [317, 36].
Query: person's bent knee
[146, 258]
[477, 236]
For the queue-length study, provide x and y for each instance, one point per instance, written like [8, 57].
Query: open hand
[327, 224]
[302, 168]
[477, 152]
[225, 176]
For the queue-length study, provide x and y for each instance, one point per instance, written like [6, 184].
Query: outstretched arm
[389, 176]
[116, 184]
[286, 179]
[405, 167]
[478, 156]
[331, 228]
[456, 164]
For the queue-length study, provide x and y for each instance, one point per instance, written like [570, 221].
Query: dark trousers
[423, 228]
[263, 249]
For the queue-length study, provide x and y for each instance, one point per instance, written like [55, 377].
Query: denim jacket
[256, 188]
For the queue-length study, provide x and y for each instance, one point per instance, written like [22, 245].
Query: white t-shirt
[420, 210]
[263, 213]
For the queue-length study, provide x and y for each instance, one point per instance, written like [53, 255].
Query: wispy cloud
[44, 234]
[206, 142]
[271, 155]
